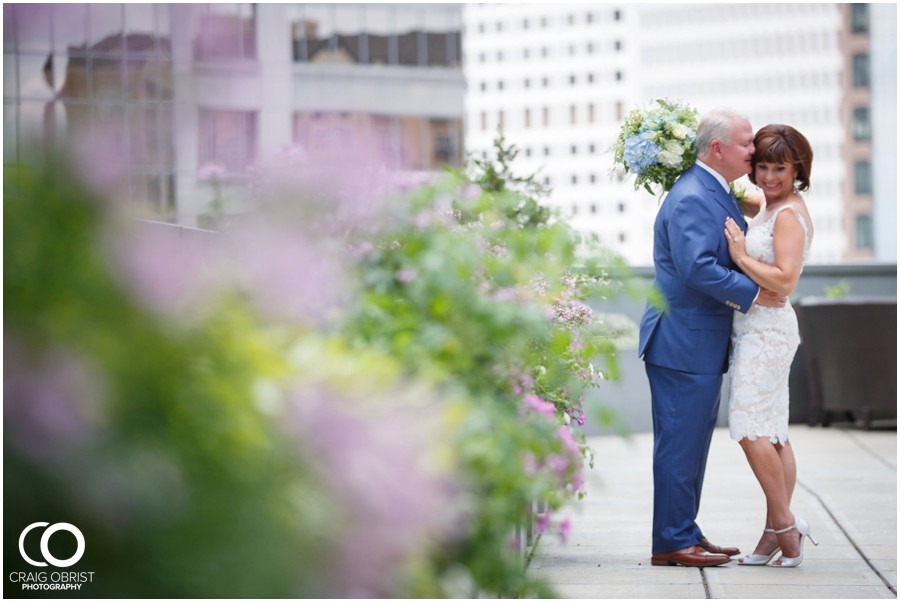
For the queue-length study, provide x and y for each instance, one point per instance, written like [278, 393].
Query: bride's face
[775, 179]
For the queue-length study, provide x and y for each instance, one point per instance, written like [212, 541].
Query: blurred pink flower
[539, 405]
[565, 528]
[391, 505]
[168, 268]
[211, 171]
[52, 401]
[406, 276]
[285, 273]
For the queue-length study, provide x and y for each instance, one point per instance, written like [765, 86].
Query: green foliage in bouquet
[657, 144]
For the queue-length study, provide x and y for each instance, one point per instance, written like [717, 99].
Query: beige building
[856, 114]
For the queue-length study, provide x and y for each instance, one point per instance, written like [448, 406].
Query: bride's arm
[788, 242]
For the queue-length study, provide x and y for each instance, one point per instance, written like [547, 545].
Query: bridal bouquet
[657, 144]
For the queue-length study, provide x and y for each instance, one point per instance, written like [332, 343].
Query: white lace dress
[764, 342]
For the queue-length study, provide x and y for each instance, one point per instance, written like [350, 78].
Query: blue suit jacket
[696, 277]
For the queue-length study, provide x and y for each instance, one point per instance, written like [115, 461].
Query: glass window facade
[376, 35]
[79, 73]
[102, 78]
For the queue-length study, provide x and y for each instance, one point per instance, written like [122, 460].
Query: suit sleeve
[697, 242]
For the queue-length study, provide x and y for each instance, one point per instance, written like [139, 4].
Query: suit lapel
[723, 198]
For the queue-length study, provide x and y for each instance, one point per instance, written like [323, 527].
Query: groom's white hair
[716, 125]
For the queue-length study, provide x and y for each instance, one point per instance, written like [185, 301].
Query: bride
[765, 339]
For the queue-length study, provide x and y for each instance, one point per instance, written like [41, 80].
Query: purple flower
[539, 405]
[373, 460]
[52, 401]
[565, 529]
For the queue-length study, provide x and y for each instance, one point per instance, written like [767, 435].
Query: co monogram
[45, 540]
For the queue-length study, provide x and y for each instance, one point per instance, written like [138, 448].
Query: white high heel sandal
[803, 527]
[759, 559]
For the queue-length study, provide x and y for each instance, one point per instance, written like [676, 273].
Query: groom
[685, 345]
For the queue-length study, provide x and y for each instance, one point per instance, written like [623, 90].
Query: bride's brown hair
[777, 143]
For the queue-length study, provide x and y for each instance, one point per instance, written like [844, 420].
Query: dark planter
[850, 348]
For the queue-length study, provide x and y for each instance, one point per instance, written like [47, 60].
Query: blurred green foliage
[393, 451]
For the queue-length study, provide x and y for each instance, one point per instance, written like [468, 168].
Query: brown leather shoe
[713, 548]
[692, 556]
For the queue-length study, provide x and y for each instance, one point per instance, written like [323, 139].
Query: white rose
[672, 146]
[679, 130]
[670, 159]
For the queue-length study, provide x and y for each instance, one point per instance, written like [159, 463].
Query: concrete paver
[847, 490]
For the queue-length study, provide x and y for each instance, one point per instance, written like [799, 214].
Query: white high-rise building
[558, 79]
[561, 78]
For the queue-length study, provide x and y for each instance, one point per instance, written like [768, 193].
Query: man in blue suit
[685, 345]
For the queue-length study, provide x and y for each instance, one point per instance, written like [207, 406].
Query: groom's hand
[768, 298]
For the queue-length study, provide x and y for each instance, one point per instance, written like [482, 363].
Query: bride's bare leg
[769, 541]
[766, 462]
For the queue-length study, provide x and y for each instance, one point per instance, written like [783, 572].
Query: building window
[227, 32]
[484, 86]
[859, 18]
[525, 53]
[546, 151]
[574, 180]
[484, 121]
[528, 120]
[500, 119]
[525, 24]
[572, 80]
[227, 139]
[445, 136]
[573, 114]
[593, 178]
[528, 151]
[527, 83]
[862, 126]
[618, 76]
[545, 82]
[590, 78]
[500, 84]
[593, 208]
[545, 116]
[590, 113]
[864, 238]
[618, 45]
[617, 15]
[592, 149]
[861, 70]
[863, 177]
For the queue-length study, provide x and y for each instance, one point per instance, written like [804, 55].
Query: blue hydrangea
[640, 153]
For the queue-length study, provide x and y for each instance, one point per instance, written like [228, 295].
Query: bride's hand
[737, 246]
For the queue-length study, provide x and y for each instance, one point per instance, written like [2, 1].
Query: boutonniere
[740, 193]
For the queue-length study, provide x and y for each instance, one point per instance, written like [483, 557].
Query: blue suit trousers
[685, 407]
